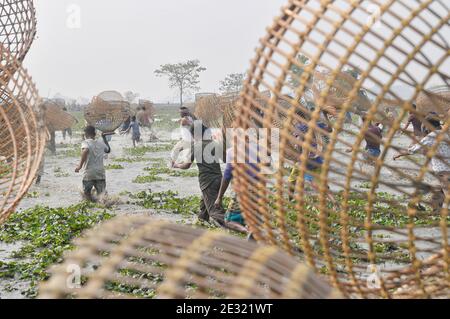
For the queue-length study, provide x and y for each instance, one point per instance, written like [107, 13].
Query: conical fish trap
[208, 109]
[55, 118]
[139, 257]
[436, 99]
[218, 111]
[148, 107]
[106, 116]
[146, 112]
[22, 137]
[17, 31]
[354, 217]
[111, 96]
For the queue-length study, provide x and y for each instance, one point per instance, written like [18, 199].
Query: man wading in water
[373, 138]
[206, 153]
[440, 162]
[416, 123]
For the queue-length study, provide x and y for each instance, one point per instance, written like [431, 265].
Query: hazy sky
[121, 42]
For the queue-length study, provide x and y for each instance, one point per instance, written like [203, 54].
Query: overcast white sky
[121, 42]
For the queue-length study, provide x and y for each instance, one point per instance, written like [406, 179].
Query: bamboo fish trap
[435, 99]
[145, 113]
[22, 136]
[352, 213]
[17, 32]
[55, 118]
[138, 257]
[106, 115]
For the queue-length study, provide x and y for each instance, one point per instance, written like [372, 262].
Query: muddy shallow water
[61, 187]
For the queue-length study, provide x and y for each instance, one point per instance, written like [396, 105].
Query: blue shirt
[251, 161]
[135, 128]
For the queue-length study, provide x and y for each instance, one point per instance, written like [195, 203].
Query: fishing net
[138, 257]
[318, 191]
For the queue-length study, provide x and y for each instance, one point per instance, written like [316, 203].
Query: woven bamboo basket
[17, 32]
[359, 213]
[147, 106]
[22, 136]
[106, 116]
[138, 257]
[208, 109]
[55, 118]
[218, 111]
[145, 113]
[436, 99]
[111, 96]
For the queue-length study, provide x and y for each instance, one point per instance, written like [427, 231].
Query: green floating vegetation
[114, 167]
[159, 170]
[160, 161]
[142, 150]
[168, 201]
[32, 195]
[145, 179]
[5, 169]
[130, 159]
[46, 233]
[59, 172]
[72, 151]
[387, 211]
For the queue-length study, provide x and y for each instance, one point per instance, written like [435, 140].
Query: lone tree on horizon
[183, 76]
[232, 83]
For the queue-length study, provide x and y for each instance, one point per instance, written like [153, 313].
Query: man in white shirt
[440, 162]
[186, 122]
[92, 156]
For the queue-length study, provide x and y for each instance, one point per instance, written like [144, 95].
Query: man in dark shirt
[206, 153]
[373, 139]
[416, 123]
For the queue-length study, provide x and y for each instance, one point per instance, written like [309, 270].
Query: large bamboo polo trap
[56, 119]
[107, 111]
[17, 32]
[338, 55]
[22, 129]
[131, 257]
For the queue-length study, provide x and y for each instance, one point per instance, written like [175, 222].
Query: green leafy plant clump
[142, 150]
[74, 151]
[59, 172]
[145, 179]
[168, 201]
[114, 167]
[47, 233]
[171, 172]
[130, 159]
